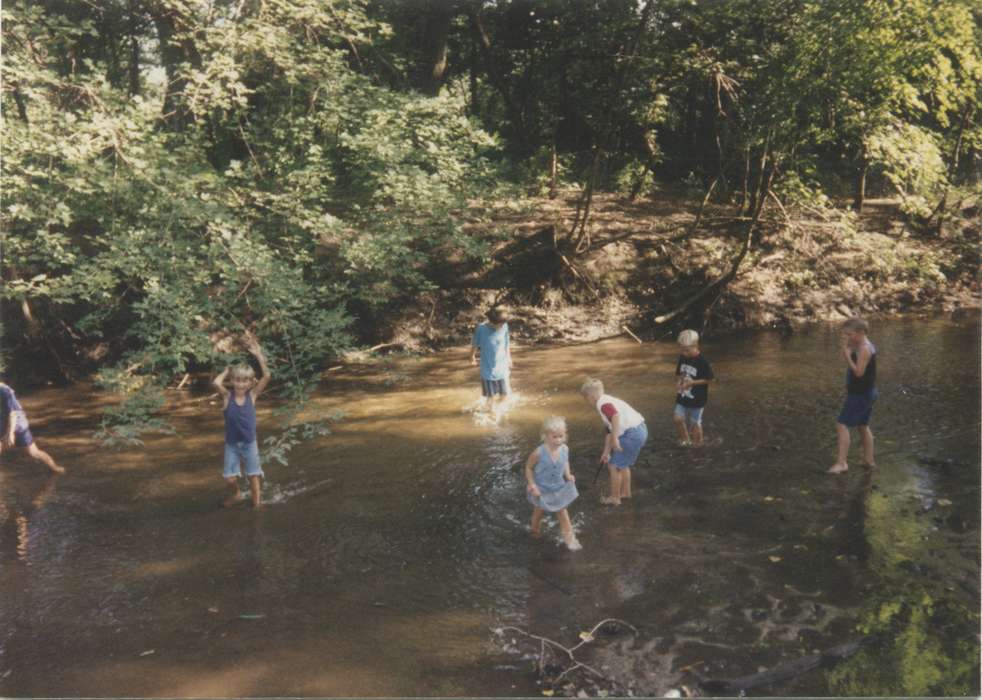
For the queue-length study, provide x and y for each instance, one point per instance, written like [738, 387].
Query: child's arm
[219, 382]
[863, 356]
[508, 346]
[8, 439]
[529, 474]
[615, 428]
[475, 344]
[252, 344]
[568, 474]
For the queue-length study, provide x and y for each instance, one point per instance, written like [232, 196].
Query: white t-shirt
[629, 417]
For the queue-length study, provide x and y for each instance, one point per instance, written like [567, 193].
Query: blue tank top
[548, 473]
[240, 421]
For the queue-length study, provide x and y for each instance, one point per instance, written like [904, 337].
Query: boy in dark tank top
[860, 356]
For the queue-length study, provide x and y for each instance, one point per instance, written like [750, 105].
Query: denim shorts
[691, 414]
[23, 438]
[632, 440]
[490, 387]
[247, 453]
[858, 408]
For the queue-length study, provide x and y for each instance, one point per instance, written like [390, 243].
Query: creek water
[391, 549]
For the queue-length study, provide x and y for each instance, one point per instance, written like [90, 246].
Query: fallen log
[784, 672]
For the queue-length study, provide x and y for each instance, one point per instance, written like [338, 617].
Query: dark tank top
[862, 385]
[240, 421]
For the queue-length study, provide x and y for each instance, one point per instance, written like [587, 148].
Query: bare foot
[838, 468]
[869, 464]
[536, 535]
[233, 500]
[574, 545]
[685, 443]
[57, 469]
[608, 501]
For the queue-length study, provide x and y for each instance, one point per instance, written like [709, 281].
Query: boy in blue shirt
[492, 341]
[16, 432]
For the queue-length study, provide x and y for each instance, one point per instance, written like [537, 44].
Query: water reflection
[19, 512]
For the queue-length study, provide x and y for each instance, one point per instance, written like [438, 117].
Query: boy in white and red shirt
[626, 435]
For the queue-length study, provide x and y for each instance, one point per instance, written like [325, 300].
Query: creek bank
[646, 260]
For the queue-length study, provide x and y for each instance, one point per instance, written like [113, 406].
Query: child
[860, 356]
[626, 435]
[693, 374]
[491, 339]
[551, 484]
[239, 408]
[15, 431]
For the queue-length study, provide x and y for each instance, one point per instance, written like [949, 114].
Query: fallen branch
[585, 638]
[628, 331]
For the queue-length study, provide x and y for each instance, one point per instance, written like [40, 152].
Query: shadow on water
[399, 541]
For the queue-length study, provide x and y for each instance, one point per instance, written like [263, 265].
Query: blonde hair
[688, 338]
[592, 385]
[855, 324]
[552, 424]
[243, 371]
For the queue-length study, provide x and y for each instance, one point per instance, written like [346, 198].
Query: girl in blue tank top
[551, 484]
[239, 409]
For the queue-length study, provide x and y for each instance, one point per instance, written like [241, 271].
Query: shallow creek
[390, 549]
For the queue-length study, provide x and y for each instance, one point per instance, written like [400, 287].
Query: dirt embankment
[645, 266]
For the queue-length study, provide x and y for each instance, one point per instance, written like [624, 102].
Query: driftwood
[585, 638]
[784, 672]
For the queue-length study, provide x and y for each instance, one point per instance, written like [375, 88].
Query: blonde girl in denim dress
[551, 484]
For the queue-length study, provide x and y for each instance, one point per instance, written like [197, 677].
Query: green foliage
[910, 157]
[915, 654]
[292, 188]
[136, 415]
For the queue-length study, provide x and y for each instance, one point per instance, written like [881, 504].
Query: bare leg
[537, 522]
[496, 402]
[680, 428]
[567, 529]
[232, 495]
[841, 463]
[697, 434]
[614, 497]
[866, 435]
[254, 489]
[39, 455]
[625, 483]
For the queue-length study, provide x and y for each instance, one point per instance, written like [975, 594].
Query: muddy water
[391, 548]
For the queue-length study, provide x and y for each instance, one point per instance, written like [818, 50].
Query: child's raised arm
[219, 382]
[252, 343]
[529, 474]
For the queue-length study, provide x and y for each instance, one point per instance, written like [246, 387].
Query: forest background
[330, 175]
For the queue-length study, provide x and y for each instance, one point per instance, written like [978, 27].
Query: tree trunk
[433, 61]
[515, 113]
[859, 195]
[553, 170]
[174, 52]
[134, 65]
[952, 169]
